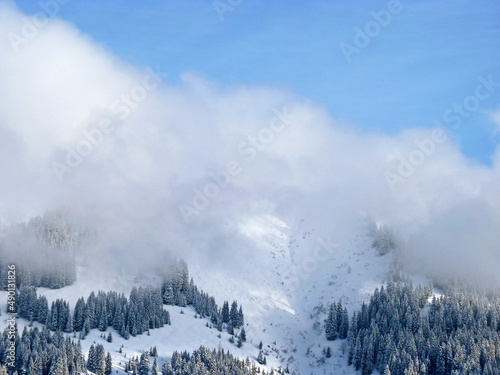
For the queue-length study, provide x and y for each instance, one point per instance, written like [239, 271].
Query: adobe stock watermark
[93, 137]
[12, 304]
[455, 115]
[407, 165]
[372, 29]
[222, 7]
[323, 250]
[221, 179]
[453, 118]
[32, 25]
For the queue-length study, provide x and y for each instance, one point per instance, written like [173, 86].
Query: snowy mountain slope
[296, 270]
[350, 272]
[185, 333]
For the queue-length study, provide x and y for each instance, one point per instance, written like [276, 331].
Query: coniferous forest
[200, 361]
[141, 311]
[40, 352]
[406, 331]
[44, 250]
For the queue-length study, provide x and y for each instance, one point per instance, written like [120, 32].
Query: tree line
[43, 250]
[142, 311]
[405, 331]
[202, 361]
[337, 323]
[39, 352]
[179, 290]
[132, 316]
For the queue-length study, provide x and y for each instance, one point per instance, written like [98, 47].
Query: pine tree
[168, 295]
[143, 368]
[35, 367]
[368, 355]
[339, 311]
[26, 302]
[166, 369]
[155, 370]
[108, 364]
[86, 328]
[225, 312]
[79, 359]
[441, 361]
[384, 240]
[98, 362]
[344, 325]
[233, 314]
[69, 322]
[241, 317]
[358, 352]
[182, 300]
[91, 360]
[331, 323]
[42, 309]
[260, 357]
[103, 319]
[78, 314]
[110, 337]
[218, 324]
[230, 328]
[59, 366]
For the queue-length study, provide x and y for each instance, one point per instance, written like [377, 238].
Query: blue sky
[427, 58]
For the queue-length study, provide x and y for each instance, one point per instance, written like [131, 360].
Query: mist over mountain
[182, 165]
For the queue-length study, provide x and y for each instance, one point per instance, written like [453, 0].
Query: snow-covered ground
[298, 271]
[185, 333]
[285, 288]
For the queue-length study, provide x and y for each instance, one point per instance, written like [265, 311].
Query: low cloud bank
[159, 166]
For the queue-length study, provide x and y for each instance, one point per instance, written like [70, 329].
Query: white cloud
[61, 84]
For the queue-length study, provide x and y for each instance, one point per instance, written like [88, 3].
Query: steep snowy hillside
[296, 270]
[186, 333]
